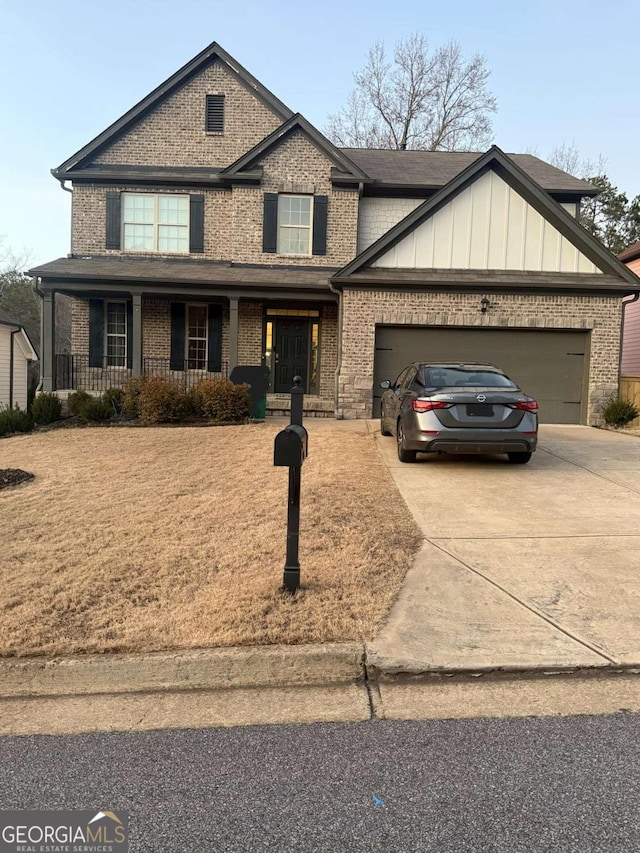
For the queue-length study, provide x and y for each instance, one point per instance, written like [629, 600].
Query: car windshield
[447, 377]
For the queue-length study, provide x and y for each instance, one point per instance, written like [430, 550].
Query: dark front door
[292, 353]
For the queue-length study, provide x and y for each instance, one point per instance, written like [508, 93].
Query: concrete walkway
[530, 567]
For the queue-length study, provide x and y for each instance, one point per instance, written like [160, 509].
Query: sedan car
[458, 408]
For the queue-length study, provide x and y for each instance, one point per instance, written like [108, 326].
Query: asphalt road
[550, 784]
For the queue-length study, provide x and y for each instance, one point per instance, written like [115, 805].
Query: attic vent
[214, 115]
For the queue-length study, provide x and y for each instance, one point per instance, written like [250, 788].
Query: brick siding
[174, 133]
[362, 310]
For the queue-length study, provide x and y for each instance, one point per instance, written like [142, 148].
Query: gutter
[626, 302]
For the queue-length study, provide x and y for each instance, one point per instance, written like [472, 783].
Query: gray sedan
[458, 408]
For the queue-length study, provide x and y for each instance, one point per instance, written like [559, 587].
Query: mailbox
[291, 446]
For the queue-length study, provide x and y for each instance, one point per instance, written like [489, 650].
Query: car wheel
[519, 458]
[384, 429]
[404, 455]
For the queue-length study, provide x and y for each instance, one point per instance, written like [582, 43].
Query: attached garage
[550, 365]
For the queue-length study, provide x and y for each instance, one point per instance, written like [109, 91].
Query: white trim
[108, 335]
[189, 305]
[156, 224]
[308, 227]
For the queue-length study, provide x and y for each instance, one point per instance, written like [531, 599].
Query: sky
[563, 72]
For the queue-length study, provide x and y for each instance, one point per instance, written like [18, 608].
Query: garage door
[548, 365]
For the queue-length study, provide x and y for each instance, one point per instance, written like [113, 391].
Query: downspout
[634, 298]
[11, 365]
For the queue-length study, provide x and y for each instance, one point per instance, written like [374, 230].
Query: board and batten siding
[487, 226]
[20, 369]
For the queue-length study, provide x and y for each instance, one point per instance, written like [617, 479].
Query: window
[196, 338]
[295, 221]
[155, 223]
[214, 114]
[116, 333]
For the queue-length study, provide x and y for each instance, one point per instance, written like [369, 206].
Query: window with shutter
[214, 114]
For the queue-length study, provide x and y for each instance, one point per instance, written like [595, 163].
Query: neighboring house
[213, 227]
[630, 361]
[16, 351]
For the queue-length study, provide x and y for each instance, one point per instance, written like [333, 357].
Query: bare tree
[431, 101]
[568, 158]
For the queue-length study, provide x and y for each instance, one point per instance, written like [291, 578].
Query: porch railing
[73, 372]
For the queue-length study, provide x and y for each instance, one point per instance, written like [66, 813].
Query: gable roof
[205, 58]
[296, 122]
[434, 169]
[5, 320]
[523, 184]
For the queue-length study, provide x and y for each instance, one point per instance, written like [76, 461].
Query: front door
[291, 353]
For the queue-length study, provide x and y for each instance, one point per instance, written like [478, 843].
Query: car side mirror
[385, 384]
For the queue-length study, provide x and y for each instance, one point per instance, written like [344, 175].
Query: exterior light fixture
[484, 304]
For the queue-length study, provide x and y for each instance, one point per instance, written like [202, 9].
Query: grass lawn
[165, 538]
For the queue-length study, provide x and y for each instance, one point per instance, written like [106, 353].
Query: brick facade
[363, 310]
[174, 133]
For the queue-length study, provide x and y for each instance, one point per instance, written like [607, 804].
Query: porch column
[233, 334]
[48, 342]
[136, 335]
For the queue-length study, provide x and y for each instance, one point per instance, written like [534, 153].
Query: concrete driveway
[523, 567]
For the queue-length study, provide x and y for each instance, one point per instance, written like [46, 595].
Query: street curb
[200, 669]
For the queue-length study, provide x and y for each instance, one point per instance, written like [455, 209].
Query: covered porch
[196, 320]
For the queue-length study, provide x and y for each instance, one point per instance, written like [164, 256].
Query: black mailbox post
[290, 450]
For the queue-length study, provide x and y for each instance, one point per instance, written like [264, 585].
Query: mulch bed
[13, 477]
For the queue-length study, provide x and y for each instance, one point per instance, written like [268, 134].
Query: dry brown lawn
[165, 538]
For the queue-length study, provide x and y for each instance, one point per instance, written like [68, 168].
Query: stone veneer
[363, 310]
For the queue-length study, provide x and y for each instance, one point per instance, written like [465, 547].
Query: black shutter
[113, 221]
[130, 335]
[196, 223]
[320, 204]
[270, 223]
[177, 335]
[214, 114]
[214, 364]
[96, 333]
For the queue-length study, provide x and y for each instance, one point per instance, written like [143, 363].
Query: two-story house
[212, 227]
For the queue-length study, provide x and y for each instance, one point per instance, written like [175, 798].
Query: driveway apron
[522, 567]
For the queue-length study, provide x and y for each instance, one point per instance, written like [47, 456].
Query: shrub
[132, 389]
[618, 412]
[77, 401]
[15, 420]
[221, 400]
[161, 401]
[46, 408]
[95, 409]
[115, 398]
[34, 381]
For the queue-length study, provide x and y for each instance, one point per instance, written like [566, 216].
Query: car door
[407, 391]
[401, 393]
[390, 401]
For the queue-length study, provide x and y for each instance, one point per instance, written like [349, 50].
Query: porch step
[312, 407]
